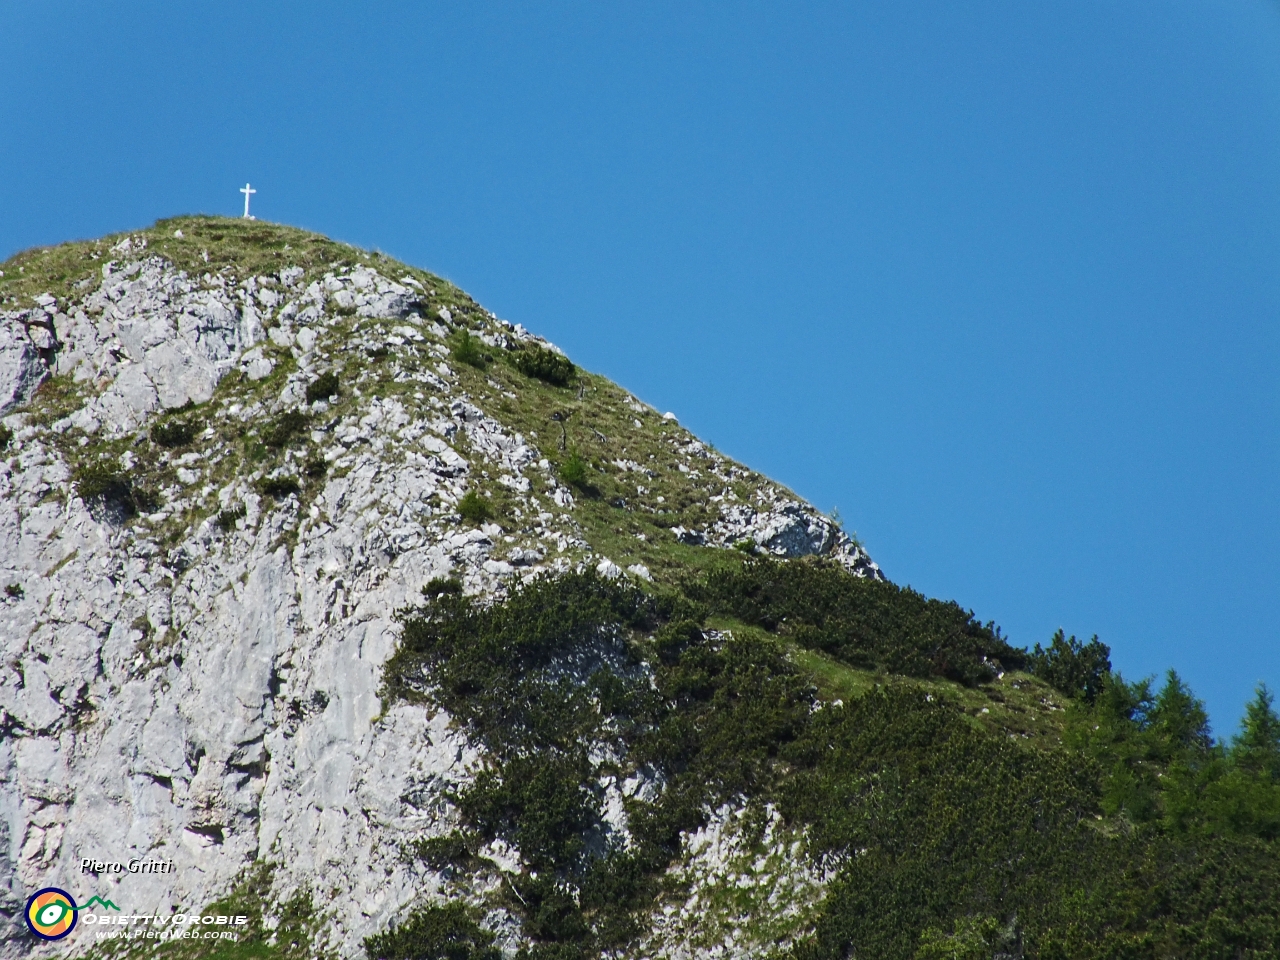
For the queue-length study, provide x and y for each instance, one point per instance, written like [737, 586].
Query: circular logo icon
[51, 913]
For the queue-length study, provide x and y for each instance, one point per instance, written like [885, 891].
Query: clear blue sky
[1001, 280]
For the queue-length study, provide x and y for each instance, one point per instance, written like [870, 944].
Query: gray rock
[21, 368]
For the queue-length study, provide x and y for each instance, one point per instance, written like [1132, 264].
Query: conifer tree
[1256, 749]
[1179, 721]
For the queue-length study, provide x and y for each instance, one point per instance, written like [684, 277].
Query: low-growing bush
[543, 364]
[285, 428]
[226, 519]
[175, 433]
[439, 586]
[323, 387]
[278, 487]
[467, 349]
[442, 853]
[868, 624]
[110, 494]
[573, 471]
[315, 467]
[6, 437]
[434, 933]
[474, 508]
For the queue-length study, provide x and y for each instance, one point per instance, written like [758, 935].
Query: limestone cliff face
[191, 665]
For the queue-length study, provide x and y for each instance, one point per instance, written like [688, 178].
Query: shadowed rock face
[211, 697]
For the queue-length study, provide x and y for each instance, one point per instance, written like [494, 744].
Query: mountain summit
[370, 619]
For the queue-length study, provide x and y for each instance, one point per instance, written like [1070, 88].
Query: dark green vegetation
[474, 508]
[278, 487]
[868, 624]
[174, 433]
[111, 493]
[315, 467]
[323, 387]
[1136, 836]
[546, 365]
[435, 933]
[285, 428]
[226, 519]
[469, 350]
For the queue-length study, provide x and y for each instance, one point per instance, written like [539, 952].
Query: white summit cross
[247, 190]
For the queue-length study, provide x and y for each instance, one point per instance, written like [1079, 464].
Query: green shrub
[443, 853]
[278, 487]
[467, 349]
[111, 494]
[226, 519]
[1077, 669]
[285, 428]
[323, 387]
[474, 508]
[866, 623]
[546, 365]
[315, 467]
[972, 939]
[175, 433]
[539, 802]
[6, 437]
[434, 933]
[573, 471]
[14, 591]
[439, 586]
